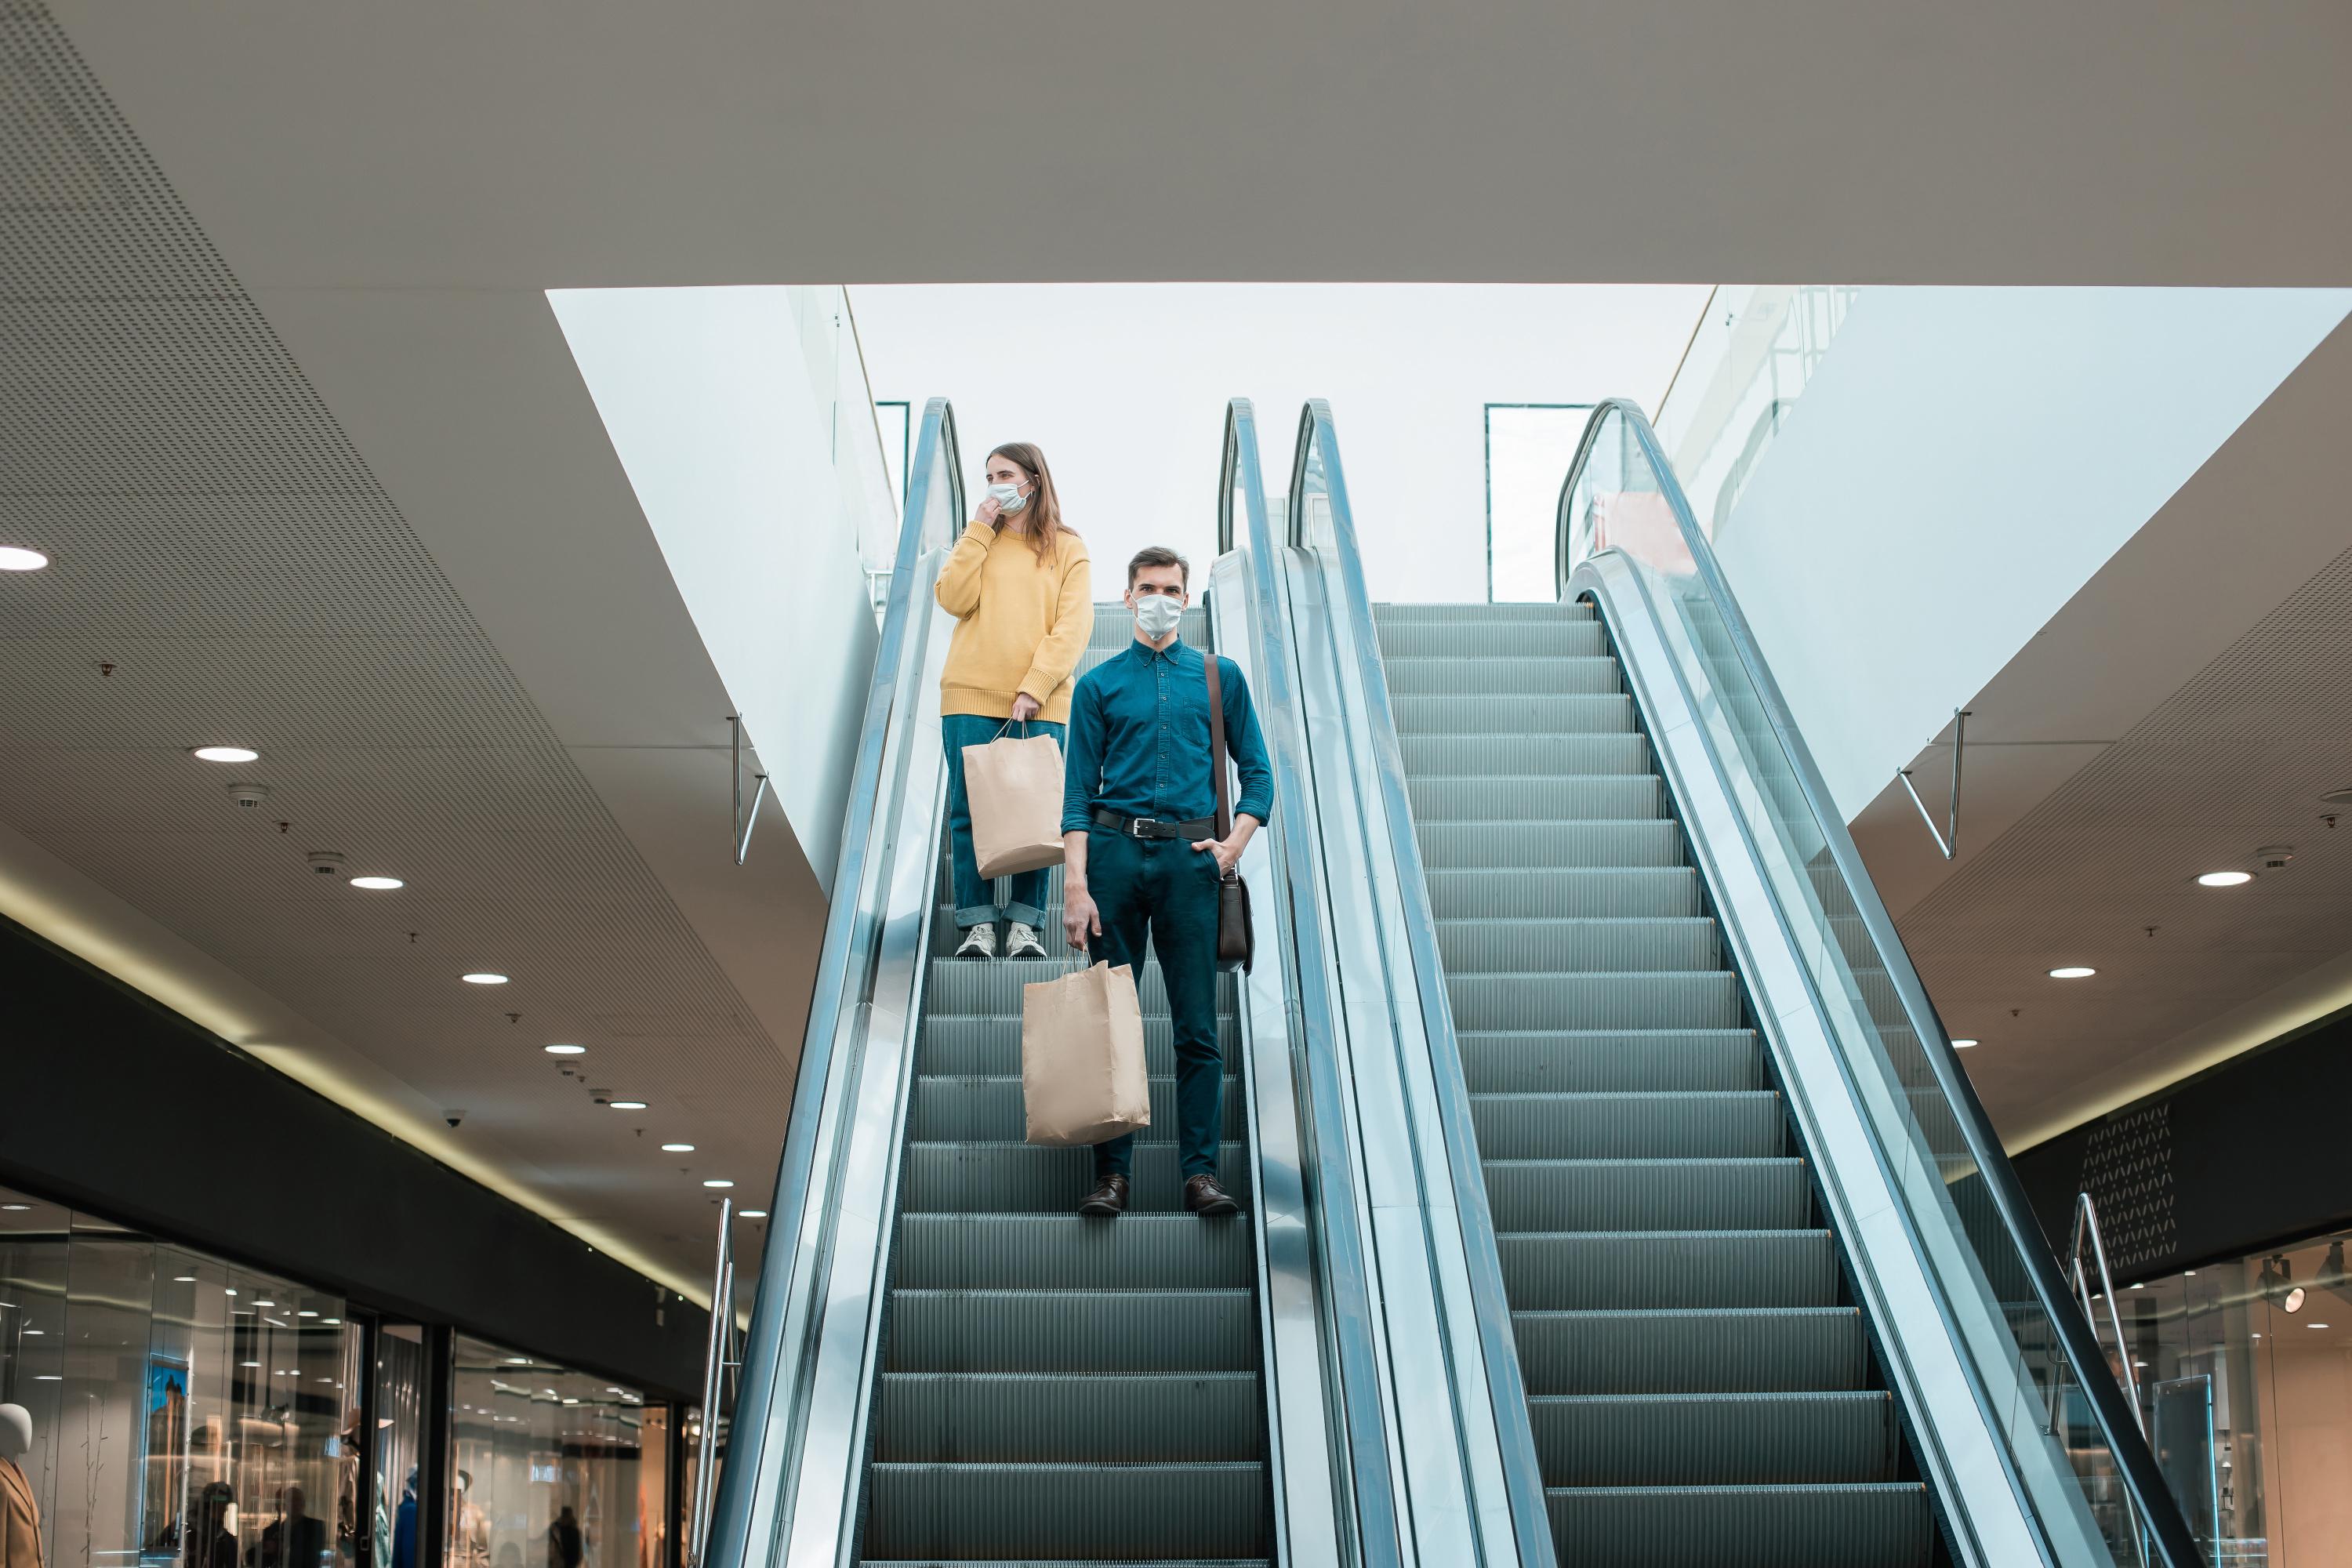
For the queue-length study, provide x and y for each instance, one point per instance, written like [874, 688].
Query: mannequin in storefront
[20, 1515]
[473, 1526]
[404, 1529]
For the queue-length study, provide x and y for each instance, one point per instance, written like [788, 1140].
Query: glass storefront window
[552, 1468]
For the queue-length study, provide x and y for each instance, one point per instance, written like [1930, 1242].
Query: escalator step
[1181, 1417]
[1508, 639]
[1714, 1439]
[966, 987]
[1515, 892]
[1569, 1270]
[999, 1511]
[1597, 714]
[1548, 846]
[1860, 1525]
[1492, 615]
[1011, 1252]
[1505, 1061]
[990, 1047]
[1726, 1350]
[1497, 674]
[1686, 1000]
[1745, 1125]
[988, 1109]
[1429, 757]
[1073, 1331]
[1540, 799]
[1648, 1195]
[1473, 948]
[1022, 1178]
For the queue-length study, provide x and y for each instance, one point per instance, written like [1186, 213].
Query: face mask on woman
[1008, 498]
[1156, 614]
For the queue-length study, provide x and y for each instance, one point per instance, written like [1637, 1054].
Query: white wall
[1124, 386]
[1961, 463]
[707, 397]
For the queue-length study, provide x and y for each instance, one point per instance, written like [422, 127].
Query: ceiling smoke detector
[325, 862]
[2275, 857]
[249, 796]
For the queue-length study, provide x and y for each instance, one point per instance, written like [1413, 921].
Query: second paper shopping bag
[1082, 1073]
[1014, 785]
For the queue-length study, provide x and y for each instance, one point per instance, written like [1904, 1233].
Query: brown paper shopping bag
[1082, 1075]
[1014, 785]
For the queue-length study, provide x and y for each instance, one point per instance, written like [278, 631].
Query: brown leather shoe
[1109, 1200]
[1205, 1197]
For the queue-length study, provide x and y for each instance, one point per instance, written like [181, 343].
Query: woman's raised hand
[990, 511]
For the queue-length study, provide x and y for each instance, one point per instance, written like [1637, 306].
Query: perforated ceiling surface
[2234, 761]
[226, 570]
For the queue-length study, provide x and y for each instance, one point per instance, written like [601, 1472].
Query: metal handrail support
[1948, 842]
[2087, 1226]
[739, 835]
[714, 1355]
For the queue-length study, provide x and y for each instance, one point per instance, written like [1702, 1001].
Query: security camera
[453, 1116]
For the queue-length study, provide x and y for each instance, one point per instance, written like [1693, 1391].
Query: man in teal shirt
[1141, 859]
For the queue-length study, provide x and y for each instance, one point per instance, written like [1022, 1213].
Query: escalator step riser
[996, 1511]
[1472, 948]
[969, 987]
[1492, 674]
[1635, 1061]
[1685, 1001]
[1732, 1125]
[1486, 756]
[1032, 1418]
[1651, 1269]
[988, 1110]
[1468, 615]
[1015, 1178]
[1073, 1331]
[1603, 798]
[1809, 1350]
[1648, 1195]
[1864, 1525]
[990, 1047]
[1514, 639]
[1514, 716]
[1509, 892]
[1714, 1439]
[1548, 846]
[1005, 1252]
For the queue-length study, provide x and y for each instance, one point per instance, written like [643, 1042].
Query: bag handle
[1217, 744]
[1008, 724]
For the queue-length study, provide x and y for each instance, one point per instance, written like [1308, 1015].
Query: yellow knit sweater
[1022, 623]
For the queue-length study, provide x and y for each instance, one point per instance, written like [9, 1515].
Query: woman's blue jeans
[975, 899]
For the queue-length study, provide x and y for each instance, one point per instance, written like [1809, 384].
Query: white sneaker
[1024, 942]
[979, 941]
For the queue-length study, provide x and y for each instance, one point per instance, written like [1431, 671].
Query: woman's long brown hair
[1044, 511]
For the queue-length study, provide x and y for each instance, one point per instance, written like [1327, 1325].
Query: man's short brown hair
[1158, 555]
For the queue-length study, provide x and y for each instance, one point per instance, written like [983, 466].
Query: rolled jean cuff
[976, 915]
[1025, 914]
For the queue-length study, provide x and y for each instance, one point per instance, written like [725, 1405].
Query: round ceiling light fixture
[225, 755]
[2225, 879]
[751, 1214]
[629, 1105]
[565, 1050]
[378, 884]
[2072, 971]
[1962, 1044]
[16, 558]
[718, 1182]
[484, 977]
[678, 1148]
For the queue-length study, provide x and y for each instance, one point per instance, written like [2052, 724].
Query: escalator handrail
[845, 961]
[1338, 1223]
[2135, 1463]
[1515, 1431]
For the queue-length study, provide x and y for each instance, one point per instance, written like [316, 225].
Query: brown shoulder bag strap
[1217, 744]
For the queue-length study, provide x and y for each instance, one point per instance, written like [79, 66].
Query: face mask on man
[1008, 498]
[1156, 614]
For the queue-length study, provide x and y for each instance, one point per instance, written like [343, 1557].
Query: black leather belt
[1152, 827]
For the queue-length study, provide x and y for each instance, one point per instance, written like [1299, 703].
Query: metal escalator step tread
[1720, 1350]
[1484, 756]
[1715, 1439]
[990, 1046]
[1022, 1178]
[1864, 1524]
[1646, 844]
[1517, 892]
[1406, 613]
[1522, 1061]
[988, 1110]
[1578, 946]
[1537, 798]
[1648, 1195]
[964, 985]
[1137, 1251]
[1657, 1000]
[999, 1511]
[1597, 714]
[1073, 1331]
[1165, 1417]
[1500, 675]
[1656, 1269]
[1508, 639]
[1731, 1124]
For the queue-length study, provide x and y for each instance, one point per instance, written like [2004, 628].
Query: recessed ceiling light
[718, 1182]
[678, 1148]
[47, 1377]
[17, 1209]
[2072, 971]
[2315, 1325]
[1962, 1044]
[629, 1105]
[228, 1290]
[2138, 1285]
[751, 1214]
[37, 1333]
[264, 1303]
[2189, 1273]
[252, 1363]
[16, 558]
[227, 754]
[183, 1278]
[2225, 879]
[484, 977]
[378, 884]
[337, 1322]
[306, 1314]
[566, 1050]
[517, 1361]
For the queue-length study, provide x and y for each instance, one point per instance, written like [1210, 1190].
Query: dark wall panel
[2253, 1152]
[113, 1103]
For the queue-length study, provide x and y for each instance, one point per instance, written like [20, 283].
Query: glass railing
[2038, 1374]
[835, 362]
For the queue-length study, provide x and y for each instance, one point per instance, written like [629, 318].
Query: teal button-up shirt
[1139, 739]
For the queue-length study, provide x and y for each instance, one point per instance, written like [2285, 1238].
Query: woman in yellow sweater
[1022, 590]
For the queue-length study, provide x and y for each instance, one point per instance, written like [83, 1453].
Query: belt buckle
[1136, 827]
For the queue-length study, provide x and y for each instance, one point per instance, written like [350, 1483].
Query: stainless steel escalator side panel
[781, 1426]
[1956, 1438]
